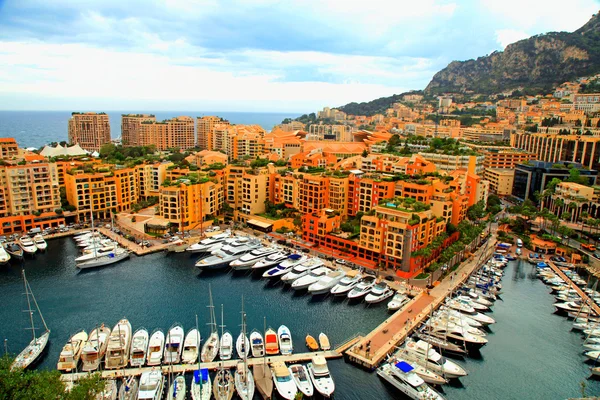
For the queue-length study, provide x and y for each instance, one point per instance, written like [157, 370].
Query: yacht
[285, 266]
[455, 322]
[324, 342]
[209, 244]
[593, 355]
[346, 284]
[129, 388]
[118, 254]
[27, 245]
[151, 385]
[244, 381]
[479, 317]
[301, 270]
[257, 344]
[362, 288]
[379, 293]
[71, 352]
[40, 243]
[156, 346]
[139, 348]
[441, 344]
[285, 340]
[191, 347]
[249, 259]
[177, 389]
[242, 345]
[223, 257]
[456, 334]
[302, 379]
[223, 387]
[87, 256]
[472, 303]
[326, 283]
[109, 392]
[312, 277]
[211, 346]
[570, 306]
[284, 383]
[451, 314]
[271, 342]
[398, 301]
[14, 250]
[119, 343]
[402, 376]
[174, 344]
[320, 377]
[201, 385]
[460, 306]
[424, 354]
[95, 348]
[226, 346]
[271, 260]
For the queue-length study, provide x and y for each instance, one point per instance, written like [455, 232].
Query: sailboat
[242, 344]
[211, 347]
[106, 258]
[226, 344]
[244, 382]
[263, 377]
[223, 386]
[37, 345]
[201, 386]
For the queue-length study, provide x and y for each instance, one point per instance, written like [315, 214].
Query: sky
[254, 55]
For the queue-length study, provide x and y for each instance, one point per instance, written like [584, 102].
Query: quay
[374, 348]
[586, 299]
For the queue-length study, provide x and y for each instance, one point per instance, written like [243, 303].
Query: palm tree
[573, 207]
[583, 216]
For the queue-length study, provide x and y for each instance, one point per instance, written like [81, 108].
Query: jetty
[586, 299]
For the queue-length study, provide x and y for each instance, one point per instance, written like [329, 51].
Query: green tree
[365, 153]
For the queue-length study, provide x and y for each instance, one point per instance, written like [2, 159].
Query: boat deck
[570, 283]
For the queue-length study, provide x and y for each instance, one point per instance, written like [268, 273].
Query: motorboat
[156, 346]
[95, 348]
[457, 334]
[346, 284]
[453, 321]
[249, 259]
[263, 379]
[71, 352]
[80, 234]
[284, 383]
[151, 385]
[109, 391]
[139, 348]
[271, 260]
[102, 251]
[14, 250]
[379, 293]
[119, 343]
[209, 244]
[226, 346]
[301, 270]
[129, 388]
[302, 379]
[424, 354]
[201, 385]
[223, 257]
[461, 306]
[311, 343]
[362, 288]
[398, 301]
[285, 340]
[326, 283]
[4, 256]
[313, 276]
[285, 266]
[27, 245]
[402, 376]
[118, 254]
[449, 313]
[468, 301]
[271, 342]
[440, 343]
[244, 381]
[570, 306]
[177, 391]
[593, 355]
[481, 318]
[320, 377]
[98, 245]
[242, 345]
[223, 386]
[324, 342]
[257, 344]
[191, 347]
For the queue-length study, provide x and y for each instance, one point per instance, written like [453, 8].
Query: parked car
[281, 241]
[340, 261]
[588, 246]
[145, 243]
[389, 278]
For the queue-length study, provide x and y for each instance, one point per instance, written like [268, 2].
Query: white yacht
[242, 345]
[327, 282]
[379, 293]
[284, 383]
[211, 346]
[302, 379]
[285, 266]
[174, 344]
[312, 277]
[285, 340]
[402, 377]
[40, 243]
[244, 381]
[139, 348]
[460, 306]
[71, 352]
[156, 346]
[177, 391]
[249, 259]
[209, 244]
[479, 317]
[118, 254]
[271, 260]
[27, 245]
[129, 388]
[95, 348]
[320, 377]
[97, 252]
[424, 354]
[257, 344]
[447, 312]
[301, 269]
[472, 302]
[119, 343]
[226, 346]
[223, 257]
[191, 347]
[398, 301]
[362, 288]
[201, 385]
[456, 334]
[151, 385]
[347, 283]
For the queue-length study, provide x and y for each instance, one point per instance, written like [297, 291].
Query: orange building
[131, 127]
[28, 189]
[365, 192]
[315, 158]
[506, 158]
[8, 148]
[186, 204]
[90, 130]
[168, 134]
[205, 128]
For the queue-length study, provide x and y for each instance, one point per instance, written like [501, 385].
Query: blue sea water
[38, 128]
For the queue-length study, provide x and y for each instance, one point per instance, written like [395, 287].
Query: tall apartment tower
[172, 133]
[205, 128]
[130, 128]
[89, 130]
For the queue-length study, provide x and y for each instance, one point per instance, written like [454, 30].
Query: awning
[260, 224]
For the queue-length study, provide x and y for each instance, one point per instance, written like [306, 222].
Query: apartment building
[204, 158]
[29, 189]
[507, 158]
[285, 190]
[131, 128]
[169, 134]
[365, 191]
[90, 130]
[449, 162]
[149, 178]
[501, 180]
[186, 204]
[575, 199]
[205, 128]
[8, 148]
[246, 143]
[313, 193]
[256, 189]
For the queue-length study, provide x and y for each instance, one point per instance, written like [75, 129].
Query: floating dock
[586, 299]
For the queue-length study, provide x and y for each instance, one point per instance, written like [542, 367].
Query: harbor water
[531, 354]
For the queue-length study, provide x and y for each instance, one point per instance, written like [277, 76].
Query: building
[149, 178]
[505, 158]
[185, 204]
[205, 127]
[8, 148]
[575, 199]
[204, 158]
[131, 127]
[501, 180]
[587, 102]
[449, 162]
[534, 176]
[90, 130]
[29, 189]
[176, 133]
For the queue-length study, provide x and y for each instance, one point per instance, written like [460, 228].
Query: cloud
[508, 36]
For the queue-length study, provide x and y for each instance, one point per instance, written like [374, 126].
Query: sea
[38, 128]
[532, 352]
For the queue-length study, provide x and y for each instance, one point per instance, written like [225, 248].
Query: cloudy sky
[254, 55]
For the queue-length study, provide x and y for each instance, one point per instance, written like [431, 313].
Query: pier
[586, 299]
[372, 349]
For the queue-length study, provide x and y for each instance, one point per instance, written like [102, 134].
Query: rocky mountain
[377, 106]
[536, 63]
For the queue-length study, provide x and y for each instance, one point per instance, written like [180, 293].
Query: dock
[372, 349]
[586, 299]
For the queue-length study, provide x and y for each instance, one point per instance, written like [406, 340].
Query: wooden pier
[586, 299]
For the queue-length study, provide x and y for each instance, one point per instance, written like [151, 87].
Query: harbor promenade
[372, 349]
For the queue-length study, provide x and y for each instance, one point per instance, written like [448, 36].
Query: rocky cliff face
[536, 63]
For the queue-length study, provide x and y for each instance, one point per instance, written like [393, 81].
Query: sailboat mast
[92, 240]
[29, 310]
[199, 370]
[265, 342]
[222, 321]
[245, 350]
[37, 307]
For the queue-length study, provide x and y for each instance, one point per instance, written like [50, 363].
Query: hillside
[536, 63]
[377, 106]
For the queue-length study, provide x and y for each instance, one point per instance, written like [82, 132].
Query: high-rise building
[168, 134]
[90, 130]
[205, 128]
[130, 128]
[28, 189]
